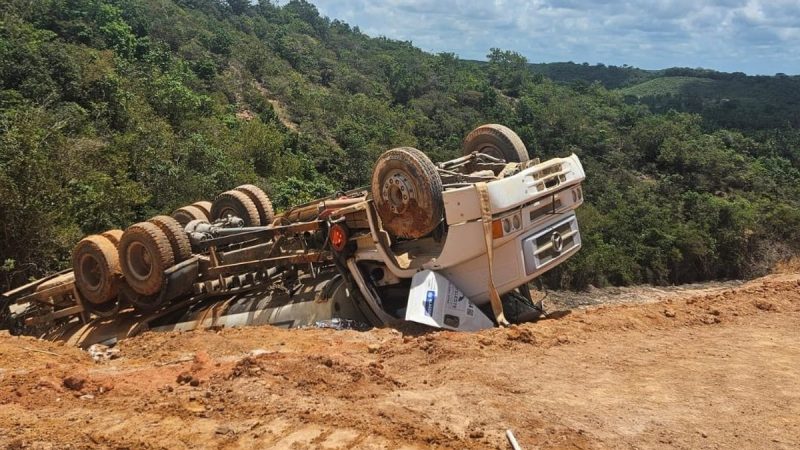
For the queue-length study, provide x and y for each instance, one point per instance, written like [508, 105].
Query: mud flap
[433, 300]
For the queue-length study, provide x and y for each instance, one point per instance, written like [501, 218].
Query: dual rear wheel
[142, 253]
[148, 249]
[247, 202]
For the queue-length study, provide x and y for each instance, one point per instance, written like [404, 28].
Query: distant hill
[670, 86]
[612, 77]
[725, 100]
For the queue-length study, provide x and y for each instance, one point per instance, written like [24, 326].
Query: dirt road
[708, 369]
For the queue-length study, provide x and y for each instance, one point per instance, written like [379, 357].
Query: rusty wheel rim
[224, 213]
[493, 151]
[91, 273]
[140, 261]
[397, 191]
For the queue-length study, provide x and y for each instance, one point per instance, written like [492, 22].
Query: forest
[116, 110]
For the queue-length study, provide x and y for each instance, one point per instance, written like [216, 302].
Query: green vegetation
[612, 77]
[664, 86]
[113, 111]
[724, 100]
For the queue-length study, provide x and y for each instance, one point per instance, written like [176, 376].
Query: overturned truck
[450, 245]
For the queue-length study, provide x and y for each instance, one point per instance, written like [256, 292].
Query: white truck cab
[533, 229]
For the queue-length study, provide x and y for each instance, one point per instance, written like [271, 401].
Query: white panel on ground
[435, 301]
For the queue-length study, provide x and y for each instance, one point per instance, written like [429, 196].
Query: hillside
[670, 86]
[724, 100]
[612, 77]
[112, 111]
[748, 103]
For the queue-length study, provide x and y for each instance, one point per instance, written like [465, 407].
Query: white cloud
[753, 36]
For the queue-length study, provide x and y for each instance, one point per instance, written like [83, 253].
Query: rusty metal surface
[421, 208]
[249, 266]
[316, 298]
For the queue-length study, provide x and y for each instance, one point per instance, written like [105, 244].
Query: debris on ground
[100, 352]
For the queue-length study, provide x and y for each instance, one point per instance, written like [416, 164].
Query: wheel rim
[140, 261]
[91, 273]
[225, 212]
[397, 191]
[491, 150]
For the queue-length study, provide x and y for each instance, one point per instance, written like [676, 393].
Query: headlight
[506, 225]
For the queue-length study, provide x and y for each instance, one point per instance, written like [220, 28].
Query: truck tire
[261, 200]
[187, 214]
[96, 264]
[176, 235]
[407, 193]
[204, 206]
[145, 253]
[113, 235]
[237, 204]
[141, 303]
[496, 140]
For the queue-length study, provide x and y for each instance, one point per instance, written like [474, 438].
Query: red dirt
[713, 369]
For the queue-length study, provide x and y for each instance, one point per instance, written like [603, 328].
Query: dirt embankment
[700, 369]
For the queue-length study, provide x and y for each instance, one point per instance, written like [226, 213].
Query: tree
[508, 71]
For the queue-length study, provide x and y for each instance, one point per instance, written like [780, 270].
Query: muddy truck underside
[452, 245]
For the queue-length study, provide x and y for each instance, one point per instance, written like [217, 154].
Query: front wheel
[496, 140]
[407, 193]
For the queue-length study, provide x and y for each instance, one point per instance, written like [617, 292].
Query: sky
[751, 36]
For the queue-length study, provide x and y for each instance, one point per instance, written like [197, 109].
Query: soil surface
[693, 368]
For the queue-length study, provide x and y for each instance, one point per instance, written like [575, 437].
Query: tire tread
[151, 236]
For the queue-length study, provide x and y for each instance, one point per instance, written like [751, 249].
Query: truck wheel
[407, 192]
[141, 303]
[237, 204]
[177, 237]
[187, 214]
[96, 263]
[496, 140]
[261, 200]
[113, 235]
[145, 253]
[204, 206]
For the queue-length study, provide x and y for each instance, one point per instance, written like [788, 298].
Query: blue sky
[751, 36]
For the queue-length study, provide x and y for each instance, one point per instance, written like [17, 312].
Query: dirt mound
[787, 266]
[702, 367]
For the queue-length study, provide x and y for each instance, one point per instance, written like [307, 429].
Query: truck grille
[549, 245]
[550, 177]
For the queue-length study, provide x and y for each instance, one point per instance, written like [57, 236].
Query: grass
[671, 85]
